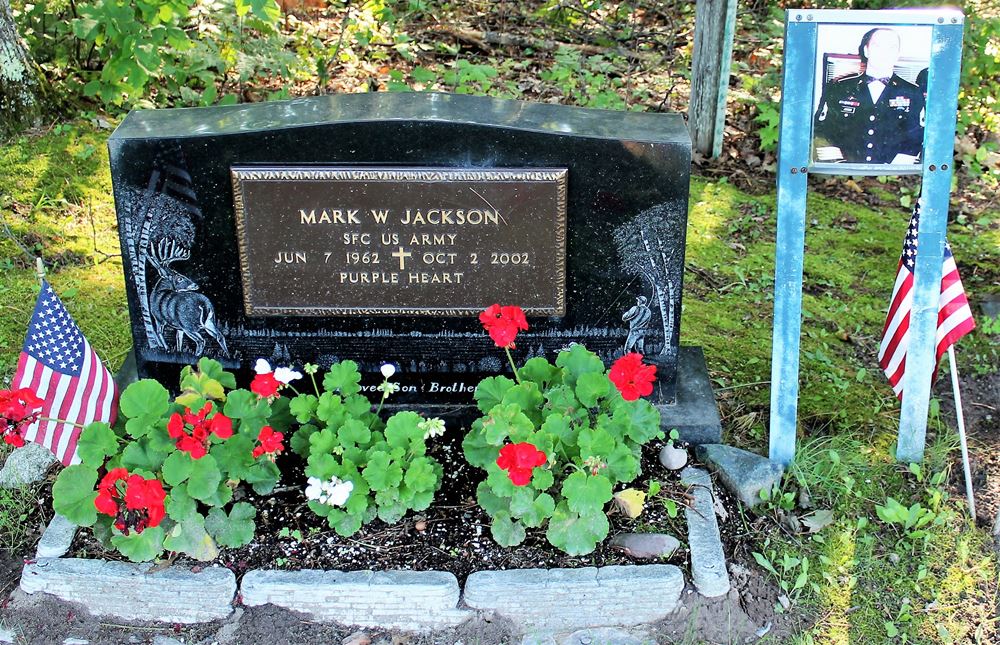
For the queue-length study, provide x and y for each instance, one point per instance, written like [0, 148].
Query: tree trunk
[21, 83]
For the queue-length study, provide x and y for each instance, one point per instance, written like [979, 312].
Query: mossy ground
[865, 581]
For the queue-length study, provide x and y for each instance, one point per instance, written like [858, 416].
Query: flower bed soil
[452, 535]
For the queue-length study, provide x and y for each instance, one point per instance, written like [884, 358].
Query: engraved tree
[645, 254]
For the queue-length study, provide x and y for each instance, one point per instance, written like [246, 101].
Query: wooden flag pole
[961, 430]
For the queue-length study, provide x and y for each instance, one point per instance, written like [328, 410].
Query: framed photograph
[869, 98]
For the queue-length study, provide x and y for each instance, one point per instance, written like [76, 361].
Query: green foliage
[592, 437]
[360, 468]
[198, 490]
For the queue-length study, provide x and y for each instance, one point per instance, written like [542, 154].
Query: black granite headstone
[375, 227]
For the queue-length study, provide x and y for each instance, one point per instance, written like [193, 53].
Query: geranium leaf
[559, 427]
[191, 538]
[343, 377]
[234, 456]
[281, 418]
[179, 505]
[526, 397]
[331, 410]
[353, 432]
[505, 531]
[578, 360]
[562, 400]
[243, 404]
[574, 533]
[300, 440]
[420, 475]
[177, 468]
[591, 386]
[140, 547]
[490, 392]
[97, 442]
[263, 476]
[142, 454]
[213, 369]
[478, 451]
[73, 494]
[489, 502]
[233, 530]
[586, 493]
[643, 420]
[595, 442]
[402, 431]
[144, 398]
[538, 370]
[542, 478]
[303, 407]
[204, 480]
[623, 465]
[381, 474]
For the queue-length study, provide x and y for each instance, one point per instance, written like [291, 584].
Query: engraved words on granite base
[416, 241]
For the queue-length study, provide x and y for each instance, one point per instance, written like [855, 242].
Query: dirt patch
[744, 615]
[981, 404]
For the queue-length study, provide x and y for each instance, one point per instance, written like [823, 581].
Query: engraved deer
[176, 303]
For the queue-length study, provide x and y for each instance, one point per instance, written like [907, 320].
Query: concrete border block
[57, 538]
[405, 600]
[173, 595]
[708, 560]
[568, 599]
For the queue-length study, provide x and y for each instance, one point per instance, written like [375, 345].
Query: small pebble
[357, 638]
[672, 457]
[421, 526]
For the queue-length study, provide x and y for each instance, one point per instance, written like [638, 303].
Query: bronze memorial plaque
[335, 241]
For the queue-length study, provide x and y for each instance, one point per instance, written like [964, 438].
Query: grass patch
[865, 580]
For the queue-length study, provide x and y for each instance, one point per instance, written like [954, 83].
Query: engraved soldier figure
[637, 318]
[874, 116]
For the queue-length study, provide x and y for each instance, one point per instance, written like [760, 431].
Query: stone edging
[536, 600]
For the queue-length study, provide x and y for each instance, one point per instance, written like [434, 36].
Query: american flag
[954, 315]
[59, 365]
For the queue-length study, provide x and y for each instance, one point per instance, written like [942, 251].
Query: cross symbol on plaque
[401, 255]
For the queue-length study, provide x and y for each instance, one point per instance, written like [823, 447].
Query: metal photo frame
[795, 162]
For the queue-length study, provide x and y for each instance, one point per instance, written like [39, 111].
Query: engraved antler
[168, 251]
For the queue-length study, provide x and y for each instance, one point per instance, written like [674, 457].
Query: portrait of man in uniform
[871, 113]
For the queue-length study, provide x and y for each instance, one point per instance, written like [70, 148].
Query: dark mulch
[452, 535]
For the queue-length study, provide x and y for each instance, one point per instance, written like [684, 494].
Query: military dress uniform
[868, 132]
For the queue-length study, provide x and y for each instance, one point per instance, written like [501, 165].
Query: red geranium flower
[519, 459]
[270, 442]
[192, 431]
[265, 385]
[632, 377]
[503, 323]
[18, 410]
[135, 502]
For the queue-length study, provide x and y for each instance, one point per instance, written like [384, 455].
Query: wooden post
[714, 24]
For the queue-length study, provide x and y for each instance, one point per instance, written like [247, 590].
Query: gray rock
[6, 636]
[26, 465]
[357, 638]
[646, 545]
[672, 457]
[75, 641]
[603, 636]
[743, 473]
[708, 562]
[160, 639]
[227, 633]
[57, 539]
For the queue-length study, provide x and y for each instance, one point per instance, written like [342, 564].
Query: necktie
[884, 80]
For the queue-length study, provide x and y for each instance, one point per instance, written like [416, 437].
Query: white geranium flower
[339, 493]
[388, 370]
[286, 375]
[262, 366]
[431, 427]
[314, 489]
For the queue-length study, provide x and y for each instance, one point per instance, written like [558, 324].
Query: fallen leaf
[818, 520]
[631, 502]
